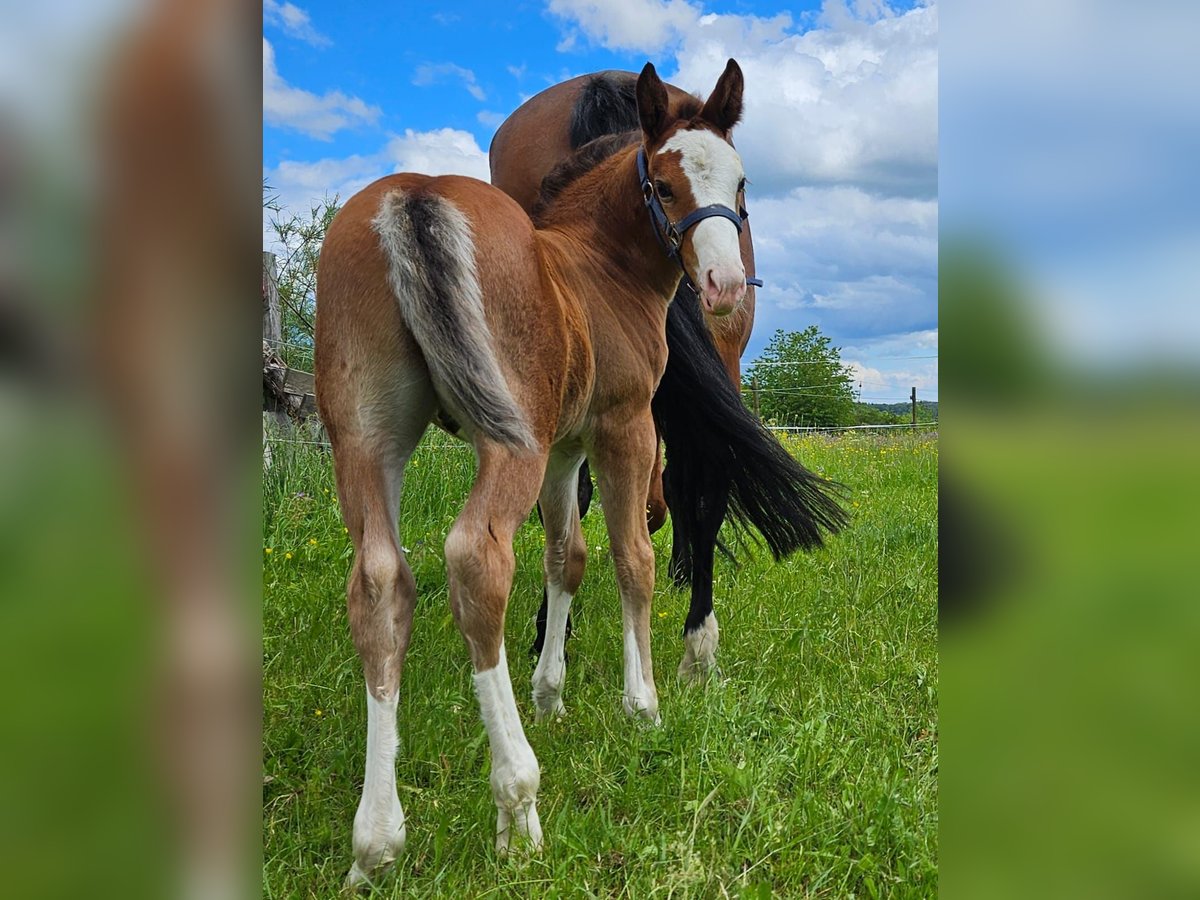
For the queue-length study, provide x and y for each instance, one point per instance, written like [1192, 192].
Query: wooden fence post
[272, 316]
[914, 408]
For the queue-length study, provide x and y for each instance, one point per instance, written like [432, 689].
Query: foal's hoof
[642, 710]
[550, 713]
[374, 855]
[360, 878]
[518, 827]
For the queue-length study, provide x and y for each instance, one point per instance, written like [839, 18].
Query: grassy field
[808, 768]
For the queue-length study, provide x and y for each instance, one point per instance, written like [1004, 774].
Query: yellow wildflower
[287, 556]
[312, 542]
[268, 550]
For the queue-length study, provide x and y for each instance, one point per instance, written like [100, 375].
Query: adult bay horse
[542, 340]
[719, 457]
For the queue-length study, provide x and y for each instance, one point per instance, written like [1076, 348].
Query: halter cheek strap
[670, 234]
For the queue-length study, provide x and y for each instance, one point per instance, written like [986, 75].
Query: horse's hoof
[519, 828]
[550, 713]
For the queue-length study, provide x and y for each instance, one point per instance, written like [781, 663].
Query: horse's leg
[585, 502]
[623, 455]
[656, 501]
[480, 564]
[566, 556]
[700, 633]
[380, 595]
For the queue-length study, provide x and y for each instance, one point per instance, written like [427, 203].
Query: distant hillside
[927, 410]
[894, 413]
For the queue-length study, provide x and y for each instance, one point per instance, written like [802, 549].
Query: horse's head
[692, 179]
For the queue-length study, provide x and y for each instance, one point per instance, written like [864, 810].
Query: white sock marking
[515, 775]
[379, 822]
[551, 669]
[637, 698]
[700, 650]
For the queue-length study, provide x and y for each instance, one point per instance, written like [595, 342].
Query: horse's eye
[664, 190]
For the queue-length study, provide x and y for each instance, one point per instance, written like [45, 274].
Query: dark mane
[577, 165]
[603, 121]
[606, 105]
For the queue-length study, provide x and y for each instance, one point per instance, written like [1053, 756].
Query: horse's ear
[652, 103]
[724, 105]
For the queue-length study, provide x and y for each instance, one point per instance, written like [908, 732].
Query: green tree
[800, 380]
[298, 239]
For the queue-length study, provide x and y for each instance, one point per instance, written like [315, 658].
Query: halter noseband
[670, 234]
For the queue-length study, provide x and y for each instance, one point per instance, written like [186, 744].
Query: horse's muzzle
[723, 289]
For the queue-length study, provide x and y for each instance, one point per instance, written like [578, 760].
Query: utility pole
[754, 393]
[914, 408]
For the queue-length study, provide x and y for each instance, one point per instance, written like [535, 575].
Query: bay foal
[721, 462]
[440, 298]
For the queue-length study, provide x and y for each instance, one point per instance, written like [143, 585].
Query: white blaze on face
[714, 170]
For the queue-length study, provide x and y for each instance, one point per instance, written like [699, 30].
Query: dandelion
[268, 550]
[287, 555]
[318, 713]
[662, 615]
[312, 542]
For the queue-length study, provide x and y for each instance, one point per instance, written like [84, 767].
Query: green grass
[809, 768]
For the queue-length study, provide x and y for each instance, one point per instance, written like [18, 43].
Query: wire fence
[833, 428]
[444, 442]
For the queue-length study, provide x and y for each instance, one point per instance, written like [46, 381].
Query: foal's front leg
[623, 456]
[565, 559]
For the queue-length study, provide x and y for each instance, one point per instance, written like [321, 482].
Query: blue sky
[839, 137]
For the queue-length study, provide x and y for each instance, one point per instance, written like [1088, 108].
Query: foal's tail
[719, 453]
[431, 268]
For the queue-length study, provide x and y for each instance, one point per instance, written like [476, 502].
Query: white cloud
[645, 25]
[301, 185]
[852, 105]
[840, 142]
[285, 106]
[445, 151]
[432, 74]
[490, 118]
[294, 21]
[883, 385]
[853, 100]
[859, 265]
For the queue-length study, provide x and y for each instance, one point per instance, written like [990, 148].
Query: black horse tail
[719, 455]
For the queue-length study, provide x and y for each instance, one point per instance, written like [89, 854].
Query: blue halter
[670, 234]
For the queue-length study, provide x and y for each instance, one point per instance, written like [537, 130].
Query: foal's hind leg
[380, 596]
[566, 556]
[480, 563]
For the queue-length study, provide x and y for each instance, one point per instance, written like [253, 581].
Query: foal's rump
[451, 255]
